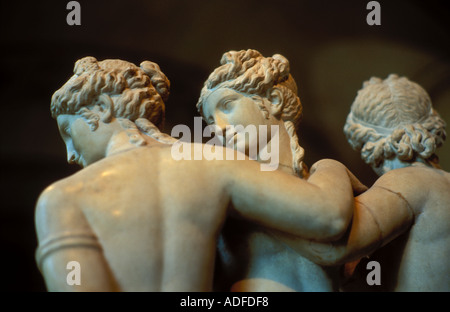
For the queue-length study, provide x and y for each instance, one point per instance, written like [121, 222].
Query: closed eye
[226, 105]
[65, 129]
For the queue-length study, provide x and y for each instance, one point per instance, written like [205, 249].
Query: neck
[391, 164]
[127, 136]
[118, 143]
[279, 151]
[286, 157]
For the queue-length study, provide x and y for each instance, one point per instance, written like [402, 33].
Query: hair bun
[85, 64]
[158, 79]
[281, 58]
[282, 64]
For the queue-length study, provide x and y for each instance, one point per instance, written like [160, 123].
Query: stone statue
[403, 219]
[249, 89]
[136, 219]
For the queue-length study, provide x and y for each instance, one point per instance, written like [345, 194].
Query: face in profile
[83, 145]
[231, 112]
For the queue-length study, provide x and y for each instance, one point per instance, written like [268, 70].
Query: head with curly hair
[108, 91]
[268, 83]
[393, 124]
[134, 95]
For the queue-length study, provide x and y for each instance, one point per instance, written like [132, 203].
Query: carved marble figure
[403, 219]
[250, 89]
[134, 218]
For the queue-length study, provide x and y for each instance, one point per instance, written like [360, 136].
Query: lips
[230, 134]
[78, 161]
[230, 138]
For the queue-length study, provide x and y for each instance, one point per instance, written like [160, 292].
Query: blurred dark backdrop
[331, 48]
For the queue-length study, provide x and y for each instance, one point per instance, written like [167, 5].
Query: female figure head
[393, 124]
[251, 89]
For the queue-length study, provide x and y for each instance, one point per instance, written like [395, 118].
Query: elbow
[335, 229]
[336, 224]
[338, 227]
[324, 225]
[341, 217]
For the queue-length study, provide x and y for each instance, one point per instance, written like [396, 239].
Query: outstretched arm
[319, 208]
[65, 236]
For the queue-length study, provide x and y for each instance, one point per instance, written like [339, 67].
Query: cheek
[254, 115]
[80, 133]
[78, 128]
[238, 117]
[76, 146]
[81, 147]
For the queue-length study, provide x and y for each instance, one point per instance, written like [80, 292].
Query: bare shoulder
[56, 205]
[58, 191]
[417, 184]
[414, 177]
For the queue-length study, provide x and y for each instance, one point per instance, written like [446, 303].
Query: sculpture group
[136, 219]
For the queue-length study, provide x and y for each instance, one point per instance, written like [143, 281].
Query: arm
[380, 215]
[318, 208]
[64, 235]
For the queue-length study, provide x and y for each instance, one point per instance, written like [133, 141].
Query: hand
[325, 164]
[357, 186]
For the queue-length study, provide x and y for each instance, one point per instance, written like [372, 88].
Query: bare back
[407, 214]
[156, 228]
[140, 220]
[421, 254]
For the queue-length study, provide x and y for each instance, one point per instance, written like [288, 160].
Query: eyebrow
[226, 97]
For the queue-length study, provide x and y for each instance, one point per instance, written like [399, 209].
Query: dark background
[331, 49]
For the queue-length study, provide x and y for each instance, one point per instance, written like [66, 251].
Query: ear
[275, 97]
[104, 107]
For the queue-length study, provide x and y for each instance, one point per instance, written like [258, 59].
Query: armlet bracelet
[65, 240]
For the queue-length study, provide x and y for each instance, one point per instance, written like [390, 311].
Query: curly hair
[394, 118]
[248, 72]
[134, 94]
